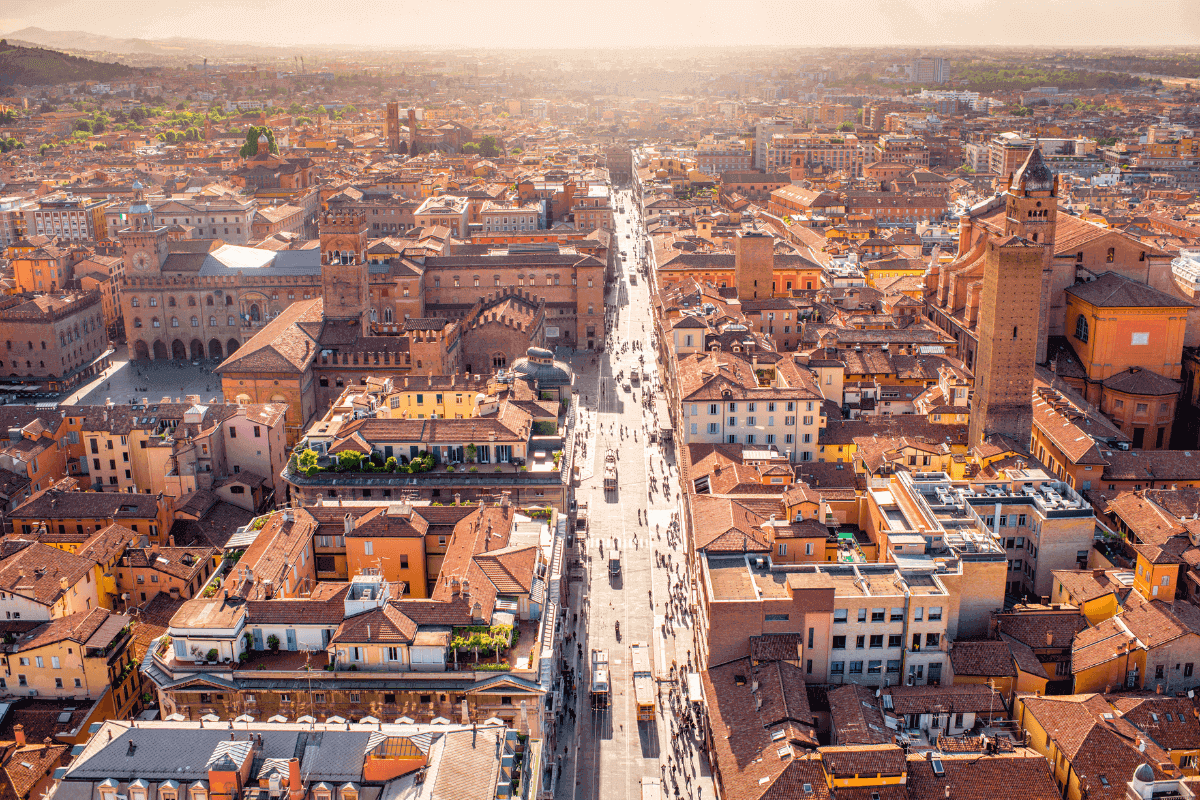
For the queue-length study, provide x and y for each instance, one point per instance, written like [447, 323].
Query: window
[897, 615]
[862, 615]
[874, 667]
[856, 667]
[777, 617]
[860, 642]
[893, 666]
[932, 639]
[876, 640]
[1081, 328]
[935, 613]
[839, 643]
[835, 668]
[877, 615]
[839, 615]
[368, 547]
[895, 640]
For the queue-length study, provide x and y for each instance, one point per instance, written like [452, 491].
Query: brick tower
[1012, 313]
[344, 277]
[393, 127]
[1031, 212]
[754, 265]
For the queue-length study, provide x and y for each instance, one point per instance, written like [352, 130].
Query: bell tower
[1014, 307]
[344, 276]
[144, 245]
[1031, 212]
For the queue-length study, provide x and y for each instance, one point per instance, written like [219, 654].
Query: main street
[609, 753]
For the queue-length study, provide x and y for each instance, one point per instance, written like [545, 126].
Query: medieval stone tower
[1013, 307]
[1031, 212]
[393, 127]
[754, 265]
[144, 245]
[344, 277]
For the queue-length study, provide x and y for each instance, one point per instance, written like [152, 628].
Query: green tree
[10, 144]
[488, 147]
[846, 126]
[295, 108]
[349, 461]
[471, 148]
[7, 117]
[83, 125]
[43, 149]
[251, 145]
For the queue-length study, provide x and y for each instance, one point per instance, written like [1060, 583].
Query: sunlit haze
[400, 25]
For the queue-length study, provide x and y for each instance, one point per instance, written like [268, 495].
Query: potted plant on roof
[273, 643]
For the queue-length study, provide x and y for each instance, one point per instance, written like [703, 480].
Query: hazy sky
[648, 23]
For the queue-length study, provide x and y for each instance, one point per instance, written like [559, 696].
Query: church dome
[1144, 773]
[1034, 175]
[538, 363]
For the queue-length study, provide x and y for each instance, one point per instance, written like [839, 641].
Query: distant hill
[33, 66]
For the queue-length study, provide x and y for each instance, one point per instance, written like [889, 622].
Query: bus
[643, 681]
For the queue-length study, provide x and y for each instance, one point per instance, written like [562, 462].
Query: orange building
[1129, 339]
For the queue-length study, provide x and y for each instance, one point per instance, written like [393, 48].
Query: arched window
[1081, 328]
[191, 301]
[228, 299]
[174, 322]
[195, 322]
[171, 302]
[387, 314]
[137, 322]
[208, 301]
[374, 316]
[212, 321]
[1112, 254]
[135, 302]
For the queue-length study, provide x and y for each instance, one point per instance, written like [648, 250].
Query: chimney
[19, 734]
[1097, 573]
[1049, 638]
[295, 785]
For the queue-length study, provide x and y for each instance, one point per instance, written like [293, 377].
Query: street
[609, 752]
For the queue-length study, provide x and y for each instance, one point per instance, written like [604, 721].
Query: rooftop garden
[472, 644]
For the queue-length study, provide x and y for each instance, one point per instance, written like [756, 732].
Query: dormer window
[322, 791]
[198, 791]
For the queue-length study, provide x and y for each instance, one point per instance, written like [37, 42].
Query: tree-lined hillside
[34, 66]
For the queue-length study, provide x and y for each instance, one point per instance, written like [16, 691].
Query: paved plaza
[140, 381]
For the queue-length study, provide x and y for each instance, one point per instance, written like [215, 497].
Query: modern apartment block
[1040, 523]
[876, 624]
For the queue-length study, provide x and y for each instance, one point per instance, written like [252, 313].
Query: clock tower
[145, 246]
[344, 278]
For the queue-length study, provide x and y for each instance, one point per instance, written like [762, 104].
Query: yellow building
[86, 654]
[889, 269]
[429, 396]
[1094, 742]
[1093, 592]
